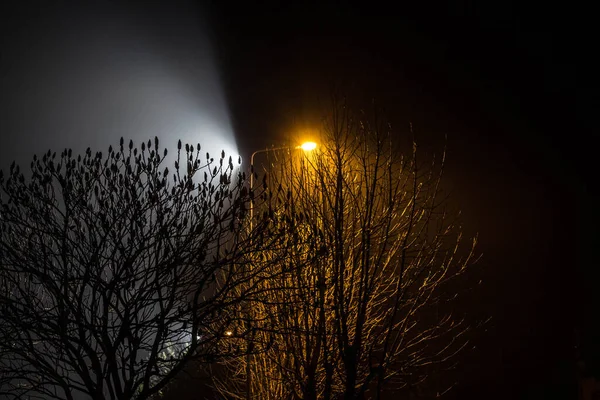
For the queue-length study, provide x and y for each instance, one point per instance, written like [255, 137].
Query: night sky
[503, 81]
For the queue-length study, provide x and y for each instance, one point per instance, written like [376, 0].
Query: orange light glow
[308, 146]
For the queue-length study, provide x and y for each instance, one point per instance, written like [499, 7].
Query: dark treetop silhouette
[116, 272]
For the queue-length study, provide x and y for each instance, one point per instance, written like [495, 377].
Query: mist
[87, 75]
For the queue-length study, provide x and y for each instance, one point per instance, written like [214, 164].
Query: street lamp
[306, 146]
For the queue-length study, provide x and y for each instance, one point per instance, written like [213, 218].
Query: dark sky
[503, 80]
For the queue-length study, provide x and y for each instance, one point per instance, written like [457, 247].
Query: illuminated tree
[360, 303]
[115, 273]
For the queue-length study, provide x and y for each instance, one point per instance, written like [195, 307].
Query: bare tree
[360, 303]
[116, 273]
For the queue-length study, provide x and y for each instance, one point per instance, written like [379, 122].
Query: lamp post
[306, 146]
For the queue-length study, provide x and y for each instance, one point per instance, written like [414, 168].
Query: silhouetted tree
[115, 272]
[359, 303]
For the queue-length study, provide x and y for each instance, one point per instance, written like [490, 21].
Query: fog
[84, 77]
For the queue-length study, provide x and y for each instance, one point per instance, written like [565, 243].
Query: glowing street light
[307, 146]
